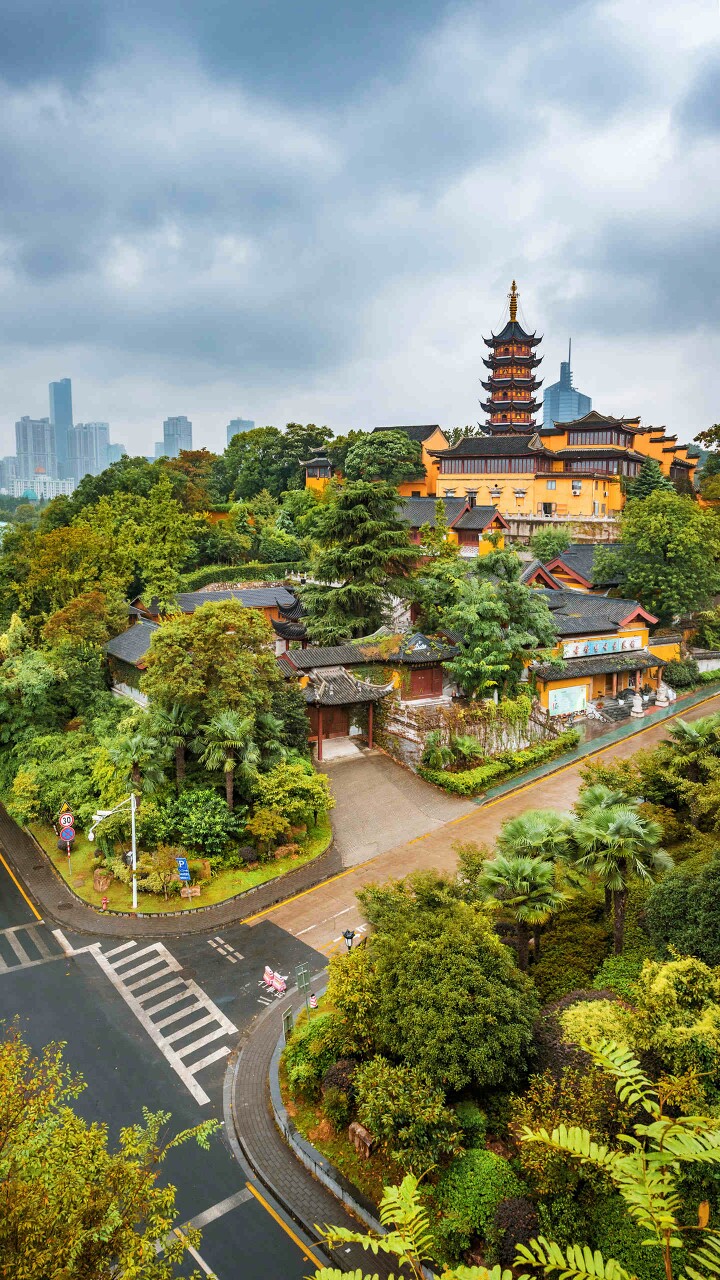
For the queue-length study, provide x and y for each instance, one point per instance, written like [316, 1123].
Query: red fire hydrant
[105, 904]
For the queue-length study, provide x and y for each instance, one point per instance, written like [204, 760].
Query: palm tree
[174, 726]
[525, 886]
[537, 833]
[135, 756]
[269, 731]
[695, 741]
[613, 843]
[228, 743]
[599, 796]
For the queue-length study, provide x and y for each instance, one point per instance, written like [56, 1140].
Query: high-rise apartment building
[236, 426]
[41, 488]
[88, 449]
[8, 473]
[177, 435]
[561, 402]
[61, 417]
[35, 447]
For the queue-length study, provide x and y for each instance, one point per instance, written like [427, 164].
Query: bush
[201, 821]
[406, 1113]
[573, 946]
[471, 782]
[683, 912]
[311, 1049]
[468, 1195]
[341, 1075]
[619, 974]
[682, 675]
[516, 1222]
[594, 1020]
[253, 571]
[554, 1052]
[613, 1232]
[473, 1123]
[337, 1107]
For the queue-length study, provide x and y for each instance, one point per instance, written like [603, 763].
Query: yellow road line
[17, 884]
[515, 791]
[307, 1253]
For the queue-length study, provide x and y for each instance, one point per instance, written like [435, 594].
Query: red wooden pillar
[637, 681]
[370, 724]
[614, 684]
[320, 733]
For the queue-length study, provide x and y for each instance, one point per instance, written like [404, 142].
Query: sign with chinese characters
[590, 648]
[566, 702]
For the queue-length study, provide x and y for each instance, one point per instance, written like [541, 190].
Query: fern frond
[482, 1273]
[575, 1262]
[576, 1142]
[631, 1084]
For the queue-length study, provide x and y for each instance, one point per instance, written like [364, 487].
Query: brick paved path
[56, 901]
[299, 1193]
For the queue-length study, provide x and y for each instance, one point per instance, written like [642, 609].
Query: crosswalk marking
[25, 945]
[19, 950]
[187, 1000]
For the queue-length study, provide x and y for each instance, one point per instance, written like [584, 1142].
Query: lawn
[77, 871]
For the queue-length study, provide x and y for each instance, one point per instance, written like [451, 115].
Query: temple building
[512, 384]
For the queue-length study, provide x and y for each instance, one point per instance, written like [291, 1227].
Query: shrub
[406, 1113]
[311, 1049]
[341, 1075]
[436, 753]
[683, 912]
[337, 1107]
[201, 821]
[614, 1233]
[595, 1020]
[352, 992]
[678, 1018]
[473, 1123]
[471, 782]
[683, 674]
[516, 1222]
[619, 974]
[554, 1052]
[577, 940]
[468, 1194]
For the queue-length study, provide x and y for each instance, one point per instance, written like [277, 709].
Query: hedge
[250, 572]
[472, 781]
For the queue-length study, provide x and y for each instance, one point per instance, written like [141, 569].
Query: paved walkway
[322, 914]
[378, 804]
[299, 1193]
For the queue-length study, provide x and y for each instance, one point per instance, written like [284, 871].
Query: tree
[227, 743]
[645, 1167]
[72, 1205]
[384, 455]
[190, 475]
[202, 821]
[546, 544]
[218, 658]
[174, 726]
[667, 557]
[267, 825]
[67, 563]
[91, 618]
[296, 791]
[525, 889]
[266, 458]
[683, 912]
[433, 590]
[362, 546]
[504, 625]
[650, 479]
[614, 843]
[408, 1237]
[435, 540]
[450, 999]
[135, 756]
[406, 1113]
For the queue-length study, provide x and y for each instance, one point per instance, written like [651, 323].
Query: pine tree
[648, 480]
[362, 546]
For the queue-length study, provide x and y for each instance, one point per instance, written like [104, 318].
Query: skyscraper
[88, 449]
[35, 447]
[237, 425]
[61, 417]
[561, 402]
[177, 435]
[115, 453]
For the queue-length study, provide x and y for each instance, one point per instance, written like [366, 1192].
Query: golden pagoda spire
[513, 296]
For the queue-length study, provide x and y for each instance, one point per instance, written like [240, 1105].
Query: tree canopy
[384, 455]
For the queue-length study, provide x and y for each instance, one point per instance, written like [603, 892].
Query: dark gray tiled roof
[333, 656]
[601, 664]
[494, 446]
[577, 613]
[251, 597]
[419, 511]
[415, 433]
[337, 687]
[132, 645]
[288, 630]
[532, 568]
[580, 556]
[476, 518]
[286, 667]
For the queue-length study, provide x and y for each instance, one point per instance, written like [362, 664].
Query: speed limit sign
[66, 819]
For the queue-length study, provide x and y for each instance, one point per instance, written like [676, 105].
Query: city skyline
[330, 244]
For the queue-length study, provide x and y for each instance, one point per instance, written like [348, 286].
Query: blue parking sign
[183, 868]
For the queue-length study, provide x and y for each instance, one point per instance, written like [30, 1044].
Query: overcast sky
[312, 209]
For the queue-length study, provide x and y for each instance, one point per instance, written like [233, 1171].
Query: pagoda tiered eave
[509, 384]
[530, 362]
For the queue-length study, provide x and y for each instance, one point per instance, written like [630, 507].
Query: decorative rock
[101, 880]
[362, 1140]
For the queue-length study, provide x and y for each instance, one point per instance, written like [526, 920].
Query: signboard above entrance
[612, 644]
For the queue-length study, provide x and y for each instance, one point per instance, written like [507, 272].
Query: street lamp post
[101, 815]
[348, 935]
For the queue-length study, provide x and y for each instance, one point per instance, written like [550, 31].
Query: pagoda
[512, 383]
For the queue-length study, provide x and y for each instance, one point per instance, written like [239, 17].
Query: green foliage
[682, 674]
[435, 538]
[352, 992]
[592, 1020]
[468, 1194]
[362, 545]
[677, 1018]
[619, 974]
[524, 891]
[617, 1237]
[707, 635]
[201, 821]
[473, 1123]
[252, 571]
[650, 479]
[460, 1012]
[573, 946]
[683, 912]
[384, 455]
[74, 1204]
[471, 782]
[406, 1113]
[546, 544]
[313, 1047]
[337, 1107]
[295, 791]
[266, 459]
[436, 753]
[505, 625]
[668, 555]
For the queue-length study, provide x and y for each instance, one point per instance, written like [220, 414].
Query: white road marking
[66, 946]
[116, 950]
[220, 1209]
[144, 1011]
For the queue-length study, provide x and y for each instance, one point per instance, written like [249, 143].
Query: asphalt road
[103, 999]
